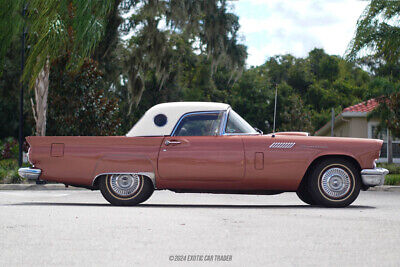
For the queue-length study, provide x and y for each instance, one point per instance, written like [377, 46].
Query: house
[353, 121]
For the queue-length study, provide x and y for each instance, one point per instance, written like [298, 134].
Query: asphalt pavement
[78, 227]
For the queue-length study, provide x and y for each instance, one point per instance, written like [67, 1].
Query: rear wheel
[334, 182]
[126, 189]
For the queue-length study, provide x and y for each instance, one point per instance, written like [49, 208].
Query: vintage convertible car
[207, 147]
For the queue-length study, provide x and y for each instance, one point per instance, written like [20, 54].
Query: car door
[196, 151]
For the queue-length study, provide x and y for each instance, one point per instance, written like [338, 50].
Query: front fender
[334, 153]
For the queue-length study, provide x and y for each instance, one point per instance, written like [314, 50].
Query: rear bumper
[373, 177]
[29, 173]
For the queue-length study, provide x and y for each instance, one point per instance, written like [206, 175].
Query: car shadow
[201, 206]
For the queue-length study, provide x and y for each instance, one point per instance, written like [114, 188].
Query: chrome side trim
[151, 175]
[29, 173]
[241, 134]
[373, 177]
[225, 121]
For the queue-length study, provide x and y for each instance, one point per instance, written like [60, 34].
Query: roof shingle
[363, 107]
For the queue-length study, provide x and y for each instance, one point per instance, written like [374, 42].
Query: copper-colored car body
[242, 162]
[220, 162]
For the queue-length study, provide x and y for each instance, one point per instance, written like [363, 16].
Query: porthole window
[160, 120]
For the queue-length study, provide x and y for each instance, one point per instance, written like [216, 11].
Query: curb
[386, 188]
[37, 187]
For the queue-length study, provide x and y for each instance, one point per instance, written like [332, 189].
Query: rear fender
[113, 163]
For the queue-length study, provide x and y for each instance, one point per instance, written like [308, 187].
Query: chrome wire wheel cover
[125, 184]
[335, 182]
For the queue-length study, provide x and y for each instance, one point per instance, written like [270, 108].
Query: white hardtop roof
[173, 111]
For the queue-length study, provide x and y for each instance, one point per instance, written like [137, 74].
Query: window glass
[378, 134]
[382, 134]
[201, 124]
[237, 124]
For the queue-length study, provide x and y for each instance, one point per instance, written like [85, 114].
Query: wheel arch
[147, 175]
[322, 157]
[120, 163]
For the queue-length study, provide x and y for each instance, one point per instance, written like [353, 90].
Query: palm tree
[377, 34]
[56, 28]
[376, 44]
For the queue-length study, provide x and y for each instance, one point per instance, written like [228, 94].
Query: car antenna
[276, 94]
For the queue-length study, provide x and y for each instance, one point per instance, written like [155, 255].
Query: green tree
[55, 28]
[308, 88]
[376, 45]
[9, 93]
[169, 32]
[377, 35]
[295, 116]
[177, 50]
[384, 90]
[10, 26]
[252, 97]
[79, 104]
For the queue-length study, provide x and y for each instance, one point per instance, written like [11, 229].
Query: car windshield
[237, 125]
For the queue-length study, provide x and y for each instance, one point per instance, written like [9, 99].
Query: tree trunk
[40, 106]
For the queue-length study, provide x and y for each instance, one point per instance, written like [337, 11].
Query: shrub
[393, 168]
[14, 178]
[392, 179]
[8, 164]
[9, 148]
[9, 171]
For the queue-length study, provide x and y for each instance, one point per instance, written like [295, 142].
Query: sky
[272, 27]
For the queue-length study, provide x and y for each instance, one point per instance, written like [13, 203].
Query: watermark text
[200, 257]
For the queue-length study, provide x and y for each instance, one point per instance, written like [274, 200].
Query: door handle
[172, 142]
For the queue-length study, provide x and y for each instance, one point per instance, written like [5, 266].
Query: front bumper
[373, 177]
[29, 173]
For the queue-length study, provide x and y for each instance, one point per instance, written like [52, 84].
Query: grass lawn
[392, 179]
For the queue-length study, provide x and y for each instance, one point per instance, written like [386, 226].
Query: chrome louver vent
[283, 145]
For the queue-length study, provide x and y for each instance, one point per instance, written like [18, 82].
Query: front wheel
[304, 194]
[334, 182]
[126, 189]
